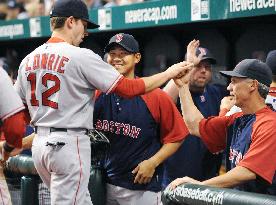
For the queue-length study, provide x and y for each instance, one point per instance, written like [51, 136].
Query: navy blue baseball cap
[75, 8]
[206, 55]
[253, 69]
[127, 41]
[271, 61]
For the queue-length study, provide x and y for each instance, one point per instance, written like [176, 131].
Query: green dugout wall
[231, 29]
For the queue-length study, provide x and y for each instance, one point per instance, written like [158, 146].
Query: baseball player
[227, 105]
[248, 136]
[196, 160]
[271, 62]
[13, 126]
[57, 82]
[143, 132]
[12, 115]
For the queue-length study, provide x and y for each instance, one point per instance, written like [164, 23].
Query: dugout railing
[192, 194]
[231, 30]
[187, 194]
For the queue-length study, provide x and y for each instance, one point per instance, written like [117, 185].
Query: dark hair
[263, 90]
[57, 22]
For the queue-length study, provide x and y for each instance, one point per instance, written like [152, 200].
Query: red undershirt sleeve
[129, 88]
[165, 113]
[213, 131]
[14, 128]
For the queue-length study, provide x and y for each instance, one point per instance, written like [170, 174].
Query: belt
[53, 129]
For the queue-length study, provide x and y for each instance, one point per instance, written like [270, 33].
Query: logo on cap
[119, 38]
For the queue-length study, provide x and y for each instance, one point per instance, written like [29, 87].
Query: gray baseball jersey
[271, 99]
[57, 81]
[10, 102]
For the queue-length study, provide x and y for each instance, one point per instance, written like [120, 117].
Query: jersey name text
[48, 62]
[118, 128]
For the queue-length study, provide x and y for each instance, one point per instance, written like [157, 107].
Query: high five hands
[192, 58]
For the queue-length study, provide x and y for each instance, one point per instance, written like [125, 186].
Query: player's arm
[132, 87]
[172, 133]
[172, 90]
[14, 130]
[26, 144]
[191, 115]
[238, 175]
[112, 81]
[145, 170]
[159, 79]
[28, 141]
[234, 177]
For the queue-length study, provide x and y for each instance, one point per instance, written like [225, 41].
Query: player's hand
[144, 172]
[178, 82]
[183, 180]
[179, 69]
[227, 102]
[6, 155]
[185, 79]
[191, 52]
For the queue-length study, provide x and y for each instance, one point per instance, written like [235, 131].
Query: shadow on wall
[160, 53]
[218, 46]
[255, 42]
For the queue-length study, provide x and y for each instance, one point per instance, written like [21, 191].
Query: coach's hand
[183, 180]
[144, 172]
[227, 103]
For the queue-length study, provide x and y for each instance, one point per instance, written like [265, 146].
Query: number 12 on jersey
[32, 78]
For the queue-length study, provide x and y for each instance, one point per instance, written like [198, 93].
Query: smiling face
[123, 60]
[200, 76]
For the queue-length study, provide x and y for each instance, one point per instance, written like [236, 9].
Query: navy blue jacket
[193, 159]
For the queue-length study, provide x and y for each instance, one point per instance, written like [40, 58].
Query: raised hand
[191, 52]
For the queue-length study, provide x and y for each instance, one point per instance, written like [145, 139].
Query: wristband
[7, 148]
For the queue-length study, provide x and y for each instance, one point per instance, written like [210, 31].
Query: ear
[137, 57]
[254, 85]
[70, 21]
